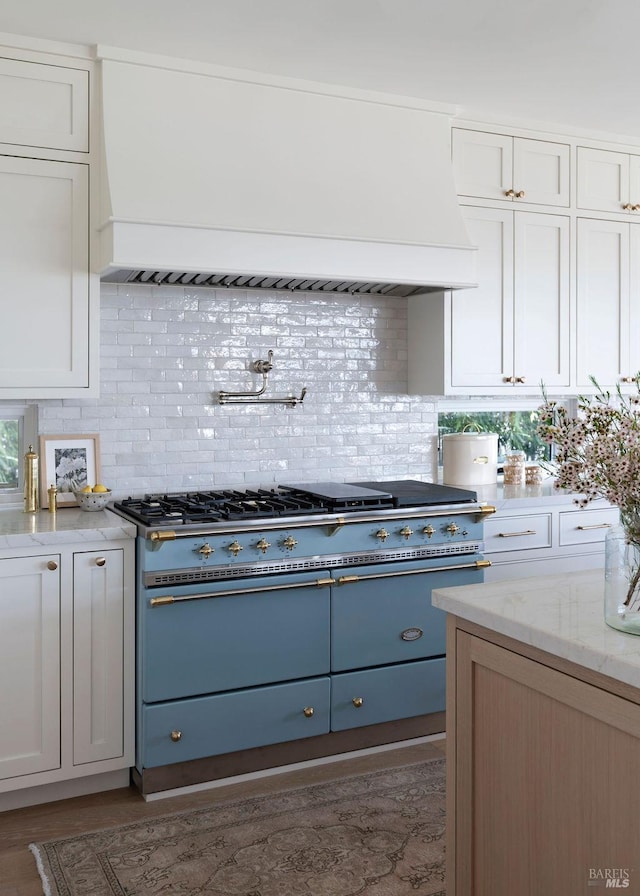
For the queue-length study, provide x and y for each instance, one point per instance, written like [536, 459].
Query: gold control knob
[382, 534]
[100, 561]
[407, 532]
[176, 736]
[308, 711]
[509, 194]
[289, 542]
[357, 702]
[52, 565]
[263, 544]
[206, 550]
[520, 194]
[428, 531]
[453, 528]
[235, 548]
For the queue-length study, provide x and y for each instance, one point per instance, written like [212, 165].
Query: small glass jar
[514, 468]
[532, 474]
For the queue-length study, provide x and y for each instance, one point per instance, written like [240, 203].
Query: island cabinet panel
[542, 791]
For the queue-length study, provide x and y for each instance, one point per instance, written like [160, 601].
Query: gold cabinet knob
[357, 702]
[206, 550]
[100, 561]
[520, 194]
[52, 565]
[509, 194]
[235, 548]
[382, 534]
[509, 379]
[263, 544]
[289, 542]
[407, 532]
[628, 379]
[428, 531]
[635, 208]
[308, 711]
[453, 528]
[627, 207]
[521, 379]
[176, 736]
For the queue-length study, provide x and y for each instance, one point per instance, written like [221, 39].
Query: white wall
[166, 351]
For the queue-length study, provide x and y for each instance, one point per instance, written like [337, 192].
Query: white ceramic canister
[470, 458]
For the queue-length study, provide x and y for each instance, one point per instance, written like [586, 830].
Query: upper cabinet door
[513, 169]
[44, 106]
[608, 181]
[541, 287]
[482, 318]
[44, 278]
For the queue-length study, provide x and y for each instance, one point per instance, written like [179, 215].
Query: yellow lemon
[100, 488]
[87, 489]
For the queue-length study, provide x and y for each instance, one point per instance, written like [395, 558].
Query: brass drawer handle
[516, 534]
[308, 711]
[176, 736]
[357, 702]
[100, 561]
[52, 565]
[594, 526]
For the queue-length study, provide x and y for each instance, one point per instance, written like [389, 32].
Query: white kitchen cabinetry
[512, 332]
[608, 302]
[498, 166]
[29, 665]
[608, 181]
[555, 537]
[48, 340]
[66, 658]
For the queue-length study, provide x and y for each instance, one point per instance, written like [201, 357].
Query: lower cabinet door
[222, 723]
[29, 665]
[371, 696]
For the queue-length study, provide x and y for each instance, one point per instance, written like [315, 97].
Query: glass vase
[622, 581]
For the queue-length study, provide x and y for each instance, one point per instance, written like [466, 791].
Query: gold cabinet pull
[521, 379]
[100, 561]
[176, 736]
[509, 194]
[357, 702]
[509, 379]
[520, 194]
[627, 207]
[594, 526]
[627, 379]
[516, 534]
[308, 711]
[52, 565]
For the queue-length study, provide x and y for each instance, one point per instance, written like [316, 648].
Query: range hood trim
[129, 248]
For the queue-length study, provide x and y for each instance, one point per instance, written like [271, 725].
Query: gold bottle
[53, 498]
[30, 481]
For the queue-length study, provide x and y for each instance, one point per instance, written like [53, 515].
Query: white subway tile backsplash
[167, 351]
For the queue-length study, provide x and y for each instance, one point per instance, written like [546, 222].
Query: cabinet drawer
[586, 526]
[44, 105]
[371, 696]
[517, 533]
[223, 723]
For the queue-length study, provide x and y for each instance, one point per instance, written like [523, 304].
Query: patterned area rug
[379, 834]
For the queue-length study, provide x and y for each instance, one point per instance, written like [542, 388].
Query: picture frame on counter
[69, 462]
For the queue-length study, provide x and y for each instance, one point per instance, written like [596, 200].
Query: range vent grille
[243, 281]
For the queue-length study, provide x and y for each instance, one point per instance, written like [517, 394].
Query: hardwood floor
[18, 828]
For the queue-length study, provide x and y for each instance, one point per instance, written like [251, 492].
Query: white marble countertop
[69, 525]
[561, 614]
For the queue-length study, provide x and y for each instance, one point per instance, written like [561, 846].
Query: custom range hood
[220, 177]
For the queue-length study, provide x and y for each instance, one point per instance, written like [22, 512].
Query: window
[515, 425]
[18, 430]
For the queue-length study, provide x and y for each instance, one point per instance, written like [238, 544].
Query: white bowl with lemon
[94, 497]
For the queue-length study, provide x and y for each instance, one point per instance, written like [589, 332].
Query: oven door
[383, 614]
[205, 639]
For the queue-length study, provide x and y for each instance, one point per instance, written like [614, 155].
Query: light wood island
[543, 740]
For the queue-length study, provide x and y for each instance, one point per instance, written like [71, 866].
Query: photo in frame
[69, 462]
